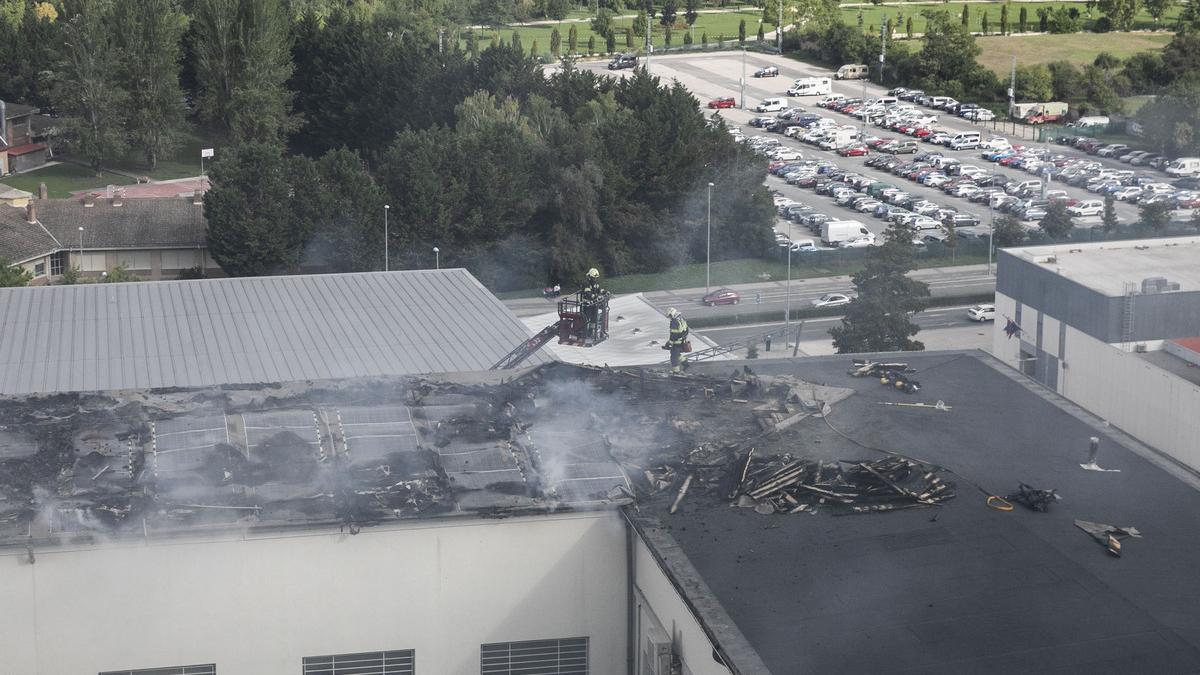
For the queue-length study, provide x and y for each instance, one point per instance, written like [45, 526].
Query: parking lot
[713, 76]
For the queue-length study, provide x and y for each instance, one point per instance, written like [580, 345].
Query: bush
[1102, 25]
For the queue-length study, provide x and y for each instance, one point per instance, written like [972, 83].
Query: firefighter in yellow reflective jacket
[593, 300]
[677, 340]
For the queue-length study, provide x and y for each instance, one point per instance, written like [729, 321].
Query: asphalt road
[715, 75]
[773, 295]
[817, 329]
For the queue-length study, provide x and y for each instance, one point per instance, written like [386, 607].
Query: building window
[39, 269]
[58, 262]
[210, 669]
[568, 656]
[399, 662]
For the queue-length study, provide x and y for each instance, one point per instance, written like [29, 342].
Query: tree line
[326, 115]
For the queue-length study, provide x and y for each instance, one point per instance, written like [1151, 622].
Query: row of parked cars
[973, 183]
[889, 113]
[970, 111]
[1125, 185]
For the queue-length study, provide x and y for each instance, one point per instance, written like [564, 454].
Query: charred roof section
[351, 453]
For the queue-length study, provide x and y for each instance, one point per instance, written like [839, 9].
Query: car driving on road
[832, 300]
[722, 296]
[982, 313]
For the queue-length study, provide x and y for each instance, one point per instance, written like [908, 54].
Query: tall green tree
[252, 229]
[879, 318]
[243, 62]
[984, 23]
[88, 91]
[1109, 219]
[966, 17]
[1008, 231]
[1022, 20]
[13, 275]
[602, 23]
[1119, 12]
[148, 37]
[339, 205]
[1004, 19]
[555, 42]
[573, 40]
[1154, 217]
[691, 12]
[908, 27]
[610, 43]
[667, 14]
[1034, 83]
[1057, 223]
[742, 31]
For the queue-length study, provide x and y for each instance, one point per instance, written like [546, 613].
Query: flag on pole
[1011, 329]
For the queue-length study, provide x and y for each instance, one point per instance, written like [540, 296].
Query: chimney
[197, 198]
[31, 212]
[118, 198]
[89, 200]
[43, 191]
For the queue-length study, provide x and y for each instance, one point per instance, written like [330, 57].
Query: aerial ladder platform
[580, 324]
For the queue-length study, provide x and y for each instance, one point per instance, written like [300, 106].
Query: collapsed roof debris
[357, 452]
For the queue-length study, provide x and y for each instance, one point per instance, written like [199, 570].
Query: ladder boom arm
[528, 347]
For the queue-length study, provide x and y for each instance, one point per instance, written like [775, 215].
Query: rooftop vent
[1152, 285]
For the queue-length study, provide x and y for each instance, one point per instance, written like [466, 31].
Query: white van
[852, 71]
[1184, 166]
[939, 101]
[1090, 122]
[886, 100]
[965, 141]
[771, 105]
[811, 86]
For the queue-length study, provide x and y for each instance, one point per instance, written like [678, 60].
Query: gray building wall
[1156, 317]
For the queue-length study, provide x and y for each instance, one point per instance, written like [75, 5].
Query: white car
[980, 115]
[832, 300]
[1091, 207]
[982, 313]
[786, 155]
[857, 242]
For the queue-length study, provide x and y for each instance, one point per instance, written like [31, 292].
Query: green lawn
[875, 16]
[715, 25]
[63, 179]
[184, 163]
[1079, 48]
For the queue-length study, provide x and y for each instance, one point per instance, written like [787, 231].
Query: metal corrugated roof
[250, 330]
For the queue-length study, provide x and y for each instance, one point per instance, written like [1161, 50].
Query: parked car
[982, 313]
[854, 151]
[723, 102]
[722, 296]
[769, 71]
[1090, 207]
[832, 300]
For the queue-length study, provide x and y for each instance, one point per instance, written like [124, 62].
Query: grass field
[1079, 48]
[875, 16]
[185, 162]
[63, 179]
[715, 25]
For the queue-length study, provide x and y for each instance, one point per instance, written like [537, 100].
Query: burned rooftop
[355, 452]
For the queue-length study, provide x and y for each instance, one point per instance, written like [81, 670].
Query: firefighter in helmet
[591, 298]
[677, 341]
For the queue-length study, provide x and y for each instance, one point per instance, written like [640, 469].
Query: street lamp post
[787, 313]
[992, 218]
[386, 208]
[743, 77]
[80, 248]
[437, 258]
[708, 245]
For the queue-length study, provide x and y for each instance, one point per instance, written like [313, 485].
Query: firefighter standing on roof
[678, 340]
[589, 299]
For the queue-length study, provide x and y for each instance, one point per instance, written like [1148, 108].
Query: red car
[724, 102]
[923, 132]
[722, 296]
[876, 142]
[854, 151]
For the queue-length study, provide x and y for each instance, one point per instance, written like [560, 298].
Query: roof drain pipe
[631, 638]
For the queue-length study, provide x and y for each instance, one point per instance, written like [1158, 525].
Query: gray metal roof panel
[248, 330]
